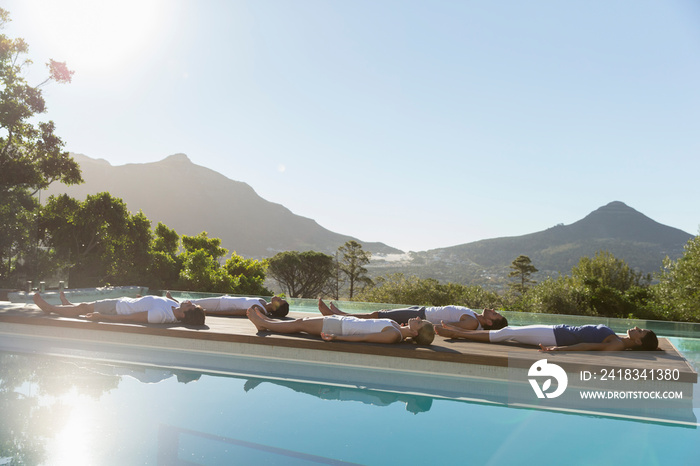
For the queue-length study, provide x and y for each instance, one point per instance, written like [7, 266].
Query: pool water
[87, 407]
[67, 410]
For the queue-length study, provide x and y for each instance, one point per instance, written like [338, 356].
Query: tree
[602, 285]
[352, 264]
[398, 288]
[31, 155]
[201, 268]
[606, 270]
[166, 240]
[201, 265]
[611, 286]
[301, 274]
[211, 246]
[336, 283]
[523, 269]
[92, 236]
[202, 272]
[677, 295]
[132, 252]
[249, 273]
[164, 263]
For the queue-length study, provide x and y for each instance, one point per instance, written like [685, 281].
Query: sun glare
[98, 35]
[73, 440]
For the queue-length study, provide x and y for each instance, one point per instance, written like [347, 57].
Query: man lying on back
[147, 309]
[458, 316]
[237, 306]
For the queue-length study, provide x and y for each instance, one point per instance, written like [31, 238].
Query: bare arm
[448, 330]
[467, 322]
[229, 312]
[137, 318]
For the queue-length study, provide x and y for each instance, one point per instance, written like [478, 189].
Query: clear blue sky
[420, 124]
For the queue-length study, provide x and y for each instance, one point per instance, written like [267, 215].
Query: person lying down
[560, 337]
[346, 328]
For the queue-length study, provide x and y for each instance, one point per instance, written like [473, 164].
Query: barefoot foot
[64, 300]
[257, 320]
[325, 310]
[336, 310]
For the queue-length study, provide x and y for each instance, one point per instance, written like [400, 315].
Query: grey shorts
[106, 306]
[333, 325]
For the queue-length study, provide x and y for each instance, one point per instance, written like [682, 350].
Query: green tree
[31, 155]
[606, 270]
[202, 272]
[522, 269]
[561, 295]
[336, 283]
[201, 265]
[301, 274]
[201, 268]
[85, 235]
[612, 287]
[164, 263]
[352, 263]
[398, 288]
[250, 275]
[677, 295]
[211, 246]
[132, 252]
[602, 285]
[166, 240]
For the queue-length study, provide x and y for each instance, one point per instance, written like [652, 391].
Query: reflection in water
[45, 399]
[144, 374]
[414, 403]
[68, 408]
[32, 391]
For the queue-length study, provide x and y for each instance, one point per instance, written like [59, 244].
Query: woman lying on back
[560, 337]
[345, 328]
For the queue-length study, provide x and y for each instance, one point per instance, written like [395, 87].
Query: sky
[420, 124]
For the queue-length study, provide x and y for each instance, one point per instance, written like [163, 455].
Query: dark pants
[403, 315]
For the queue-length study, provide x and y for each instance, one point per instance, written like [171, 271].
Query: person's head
[493, 320]
[278, 307]
[418, 404]
[422, 332]
[644, 340]
[191, 314]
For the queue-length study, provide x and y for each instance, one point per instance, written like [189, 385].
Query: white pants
[529, 335]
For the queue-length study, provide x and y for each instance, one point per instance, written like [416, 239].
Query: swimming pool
[73, 410]
[77, 403]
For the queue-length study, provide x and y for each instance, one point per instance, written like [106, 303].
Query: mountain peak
[616, 206]
[227, 209]
[619, 221]
[177, 158]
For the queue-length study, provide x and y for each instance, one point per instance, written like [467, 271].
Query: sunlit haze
[417, 124]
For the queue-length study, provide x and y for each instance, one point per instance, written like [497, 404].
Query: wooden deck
[473, 372]
[242, 332]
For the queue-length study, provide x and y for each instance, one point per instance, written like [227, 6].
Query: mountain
[190, 199]
[626, 233]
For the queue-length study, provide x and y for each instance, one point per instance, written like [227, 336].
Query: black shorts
[403, 315]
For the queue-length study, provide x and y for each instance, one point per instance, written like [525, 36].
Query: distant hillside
[191, 199]
[616, 227]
